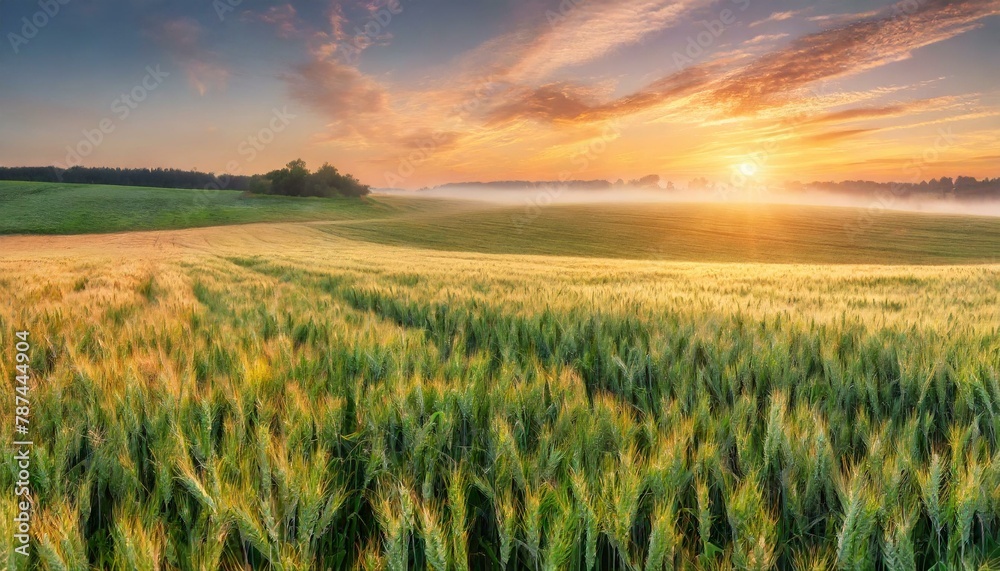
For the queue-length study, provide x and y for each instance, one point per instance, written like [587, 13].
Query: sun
[748, 169]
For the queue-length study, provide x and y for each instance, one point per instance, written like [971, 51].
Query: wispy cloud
[859, 46]
[565, 102]
[764, 39]
[284, 18]
[774, 79]
[841, 19]
[885, 111]
[834, 136]
[593, 29]
[775, 17]
[182, 39]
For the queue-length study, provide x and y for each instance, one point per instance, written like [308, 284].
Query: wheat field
[279, 397]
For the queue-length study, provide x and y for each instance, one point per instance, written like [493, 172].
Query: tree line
[960, 187]
[160, 178]
[293, 180]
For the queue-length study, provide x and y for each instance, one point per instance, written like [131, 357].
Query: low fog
[552, 194]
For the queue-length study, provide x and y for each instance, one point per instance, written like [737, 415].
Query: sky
[415, 93]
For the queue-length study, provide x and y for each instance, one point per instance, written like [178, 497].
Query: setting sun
[748, 169]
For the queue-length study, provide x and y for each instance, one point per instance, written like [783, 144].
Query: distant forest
[160, 178]
[296, 180]
[963, 187]
[293, 180]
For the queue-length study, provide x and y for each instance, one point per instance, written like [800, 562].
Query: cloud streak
[777, 78]
[775, 17]
[850, 49]
[593, 29]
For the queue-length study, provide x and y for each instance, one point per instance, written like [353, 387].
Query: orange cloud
[337, 90]
[833, 136]
[897, 110]
[850, 49]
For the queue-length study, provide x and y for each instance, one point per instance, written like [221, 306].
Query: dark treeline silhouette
[160, 178]
[296, 180]
[293, 180]
[963, 187]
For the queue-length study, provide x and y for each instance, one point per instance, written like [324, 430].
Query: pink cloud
[283, 18]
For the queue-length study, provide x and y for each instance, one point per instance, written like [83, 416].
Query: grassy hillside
[47, 208]
[239, 398]
[699, 233]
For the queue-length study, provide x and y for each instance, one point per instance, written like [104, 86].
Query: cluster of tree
[648, 181]
[160, 178]
[961, 187]
[296, 180]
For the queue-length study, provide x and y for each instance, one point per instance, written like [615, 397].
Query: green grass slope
[697, 232]
[47, 208]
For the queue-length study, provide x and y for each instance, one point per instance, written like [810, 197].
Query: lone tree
[296, 180]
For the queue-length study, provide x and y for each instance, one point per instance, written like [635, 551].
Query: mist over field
[546, 194]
